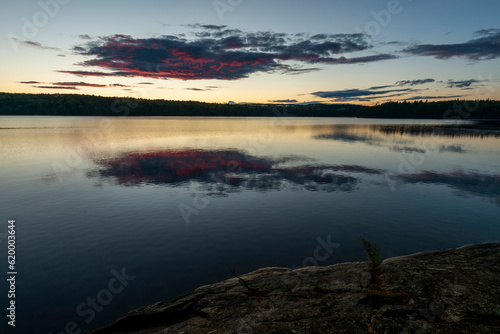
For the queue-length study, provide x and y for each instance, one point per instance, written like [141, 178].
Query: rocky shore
[448, 291]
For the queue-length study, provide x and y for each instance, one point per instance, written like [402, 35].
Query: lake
[117, 213]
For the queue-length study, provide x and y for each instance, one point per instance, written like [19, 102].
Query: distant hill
[90, 105]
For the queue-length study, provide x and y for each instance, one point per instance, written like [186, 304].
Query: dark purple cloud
[485, 46]
[282, 101]
[207, 88]
[118, 85]
[68, 85]
[381, 87]
[355, 93]
[218, 53]
[295, 71]
[461, 83]
[37, 45]
[207, 26]
[414, 82]
[96, 74]
[387, 91]
[198, 89]
[57, 87]
[76, 84]
[428, 97]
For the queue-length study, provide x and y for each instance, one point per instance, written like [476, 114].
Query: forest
[91, 105]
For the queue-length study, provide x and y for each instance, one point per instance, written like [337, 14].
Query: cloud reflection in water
[223, 171]
[220, 172]
[485, 186]
[384, 135]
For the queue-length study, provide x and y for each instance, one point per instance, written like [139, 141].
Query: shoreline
[454, 290]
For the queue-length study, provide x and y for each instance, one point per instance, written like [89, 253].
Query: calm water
[177, 202]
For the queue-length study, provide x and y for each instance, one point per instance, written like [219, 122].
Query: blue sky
[253, 51]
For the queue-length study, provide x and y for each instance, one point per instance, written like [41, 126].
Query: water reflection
[485, 186]
[342, 135]
[223, 171]
[220, 172]
[151, 166]
[482, 129]
[385, 136]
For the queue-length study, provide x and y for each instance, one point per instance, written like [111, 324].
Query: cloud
[414, 82]
[37, 45]
[198, 89]
[118, 85]
[350, 93]
[354, 60]
[378, 92]
[86, 37]
[145, 83]
[57, 87]
[381, 87]
[428, 97]
[95, 74]
[485, 46]
[482, 32]
[296, 71]
[70, 85]
[282, 101]
[207, 88]
[218, 53]
[207, 26]
[75, 84]
[461, 83]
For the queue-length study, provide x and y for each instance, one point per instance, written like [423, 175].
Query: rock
[450, 291]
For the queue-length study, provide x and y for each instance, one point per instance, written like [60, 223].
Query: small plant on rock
[373, 252]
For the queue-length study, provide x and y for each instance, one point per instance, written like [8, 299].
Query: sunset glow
[257, 52]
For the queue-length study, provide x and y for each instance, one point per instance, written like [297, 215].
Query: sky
[253, 51]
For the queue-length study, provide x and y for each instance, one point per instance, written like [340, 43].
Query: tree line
[91, 105]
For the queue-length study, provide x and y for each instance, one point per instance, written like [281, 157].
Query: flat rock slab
[449, 291]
